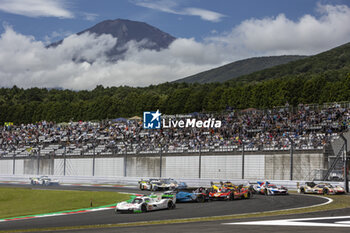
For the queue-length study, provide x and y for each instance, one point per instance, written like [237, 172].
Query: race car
[321, 188]
[269, 189]
[161, 184]
[43, 180]
[254, 187]
[148, 184]
[146, 203]
[218, 185]
[197, 195]
[230, 194]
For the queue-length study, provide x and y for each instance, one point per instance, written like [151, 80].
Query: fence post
[160, 162]
[200, 162]
[125, 160]
[38, 162]
[14, 164]
[242, 160]
[291, 158]
[64, 159]
[93, 160]
[345, 173]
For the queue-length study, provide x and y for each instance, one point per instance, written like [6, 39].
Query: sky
[209, 34]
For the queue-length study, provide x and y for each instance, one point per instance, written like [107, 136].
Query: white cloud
[26, 62]
[204, 14]
[37, 8]
[90, 16]
[280, 35]
[56, 35]
[170, 6]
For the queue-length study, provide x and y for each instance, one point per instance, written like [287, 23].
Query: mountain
[238, 68]
[331, 63]
[127, 30]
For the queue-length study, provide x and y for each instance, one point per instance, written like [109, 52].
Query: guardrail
[133, 181]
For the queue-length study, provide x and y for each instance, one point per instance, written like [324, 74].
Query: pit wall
[270, 166]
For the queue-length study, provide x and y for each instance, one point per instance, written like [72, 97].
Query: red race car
[229, 194]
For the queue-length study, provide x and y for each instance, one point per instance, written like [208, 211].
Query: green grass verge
[25, 201]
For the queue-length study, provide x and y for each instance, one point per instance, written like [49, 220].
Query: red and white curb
[63, 213]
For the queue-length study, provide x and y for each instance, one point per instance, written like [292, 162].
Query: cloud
[204, 14]
[56, 36]
[26, 62]
[280, 35]
[90, 16]
[36, 8]
[171, 6]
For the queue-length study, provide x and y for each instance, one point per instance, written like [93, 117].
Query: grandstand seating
[269, 130]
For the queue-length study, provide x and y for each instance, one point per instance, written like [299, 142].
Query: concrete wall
[6, 167]
[222, 166]
[181, 166]
[138, 166]
[257, 166]
[109, 167]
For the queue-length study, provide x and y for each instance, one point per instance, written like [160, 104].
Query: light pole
[200, 161]
[243, 159]
[345, 173]
[291, 157]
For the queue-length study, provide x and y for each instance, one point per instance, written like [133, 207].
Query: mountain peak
[127, 30]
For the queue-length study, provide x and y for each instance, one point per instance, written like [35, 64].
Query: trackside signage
[153, 120]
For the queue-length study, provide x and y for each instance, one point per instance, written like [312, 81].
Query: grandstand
[309, 128]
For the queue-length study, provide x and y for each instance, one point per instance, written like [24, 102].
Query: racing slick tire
[302, 190]
[325, 192]
[141, 187]
[171, 205]
[143, 208]
[266, 192]
[248, 196]
[231, 197]
[200, 199]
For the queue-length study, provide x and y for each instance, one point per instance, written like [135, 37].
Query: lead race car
[146, 203]
[321, 188]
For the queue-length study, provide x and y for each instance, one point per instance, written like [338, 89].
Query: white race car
[161, 184]
[267, 188]
[43, 180]
[146, 203]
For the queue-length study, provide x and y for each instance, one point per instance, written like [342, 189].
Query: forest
[31, 105]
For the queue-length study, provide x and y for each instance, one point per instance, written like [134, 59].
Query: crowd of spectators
[275, 129]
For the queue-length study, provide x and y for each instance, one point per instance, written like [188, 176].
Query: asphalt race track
[183, 210]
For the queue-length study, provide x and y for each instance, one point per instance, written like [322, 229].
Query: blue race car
[198, 195]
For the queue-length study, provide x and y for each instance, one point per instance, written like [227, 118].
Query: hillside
[322, 78]
[238, 68]
[334, 60]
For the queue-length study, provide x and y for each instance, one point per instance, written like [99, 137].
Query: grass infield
[25, 201]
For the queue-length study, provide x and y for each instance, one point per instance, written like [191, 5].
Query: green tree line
[35, 104]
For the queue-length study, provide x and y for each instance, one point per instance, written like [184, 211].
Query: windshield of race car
[137, 201]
